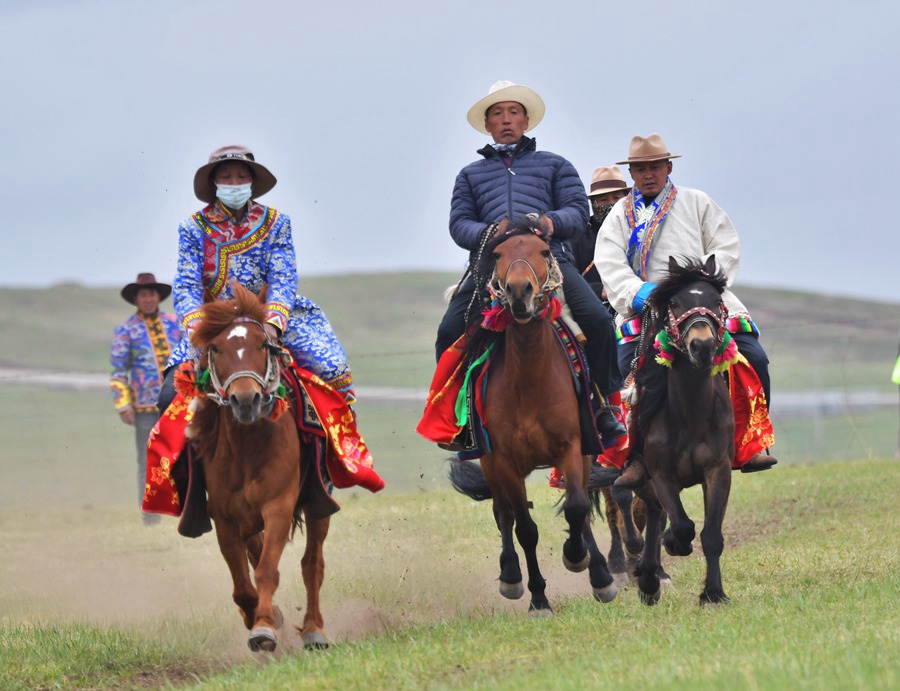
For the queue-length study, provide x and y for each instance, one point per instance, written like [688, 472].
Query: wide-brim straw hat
[646, 149]
[503, 91]
[145, 280]
[205, 188]
[607, 179]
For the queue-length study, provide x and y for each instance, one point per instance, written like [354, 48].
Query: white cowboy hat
[507, 91]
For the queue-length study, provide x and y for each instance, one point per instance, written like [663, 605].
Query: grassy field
[89, 598]
[92, 600]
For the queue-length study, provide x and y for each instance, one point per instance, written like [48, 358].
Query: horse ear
[208, 296]
[673, 264]
[263, 293]
[710, 266]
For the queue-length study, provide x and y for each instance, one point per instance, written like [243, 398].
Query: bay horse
[253, 464]
[531, 412]
[685, 420]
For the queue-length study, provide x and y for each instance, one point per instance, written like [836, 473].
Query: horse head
[523, 273]
[690, 301]
[243, 361]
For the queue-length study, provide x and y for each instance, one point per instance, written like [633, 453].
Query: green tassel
[462, 410]
[203, 381]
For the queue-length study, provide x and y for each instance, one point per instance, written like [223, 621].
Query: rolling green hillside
[387, 323]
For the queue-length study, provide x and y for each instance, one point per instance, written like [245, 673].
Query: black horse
[685, 421]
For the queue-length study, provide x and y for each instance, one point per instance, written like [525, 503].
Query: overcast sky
[786, 112]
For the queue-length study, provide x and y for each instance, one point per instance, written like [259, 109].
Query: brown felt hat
[205, 188]
[607, 179]
[129, 292]
[646, 149]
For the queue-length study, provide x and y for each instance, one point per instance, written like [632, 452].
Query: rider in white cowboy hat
[510, 181]
[654, 221]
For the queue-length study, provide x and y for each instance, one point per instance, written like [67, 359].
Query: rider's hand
[127, 416]
[546, 225]
[272, 331]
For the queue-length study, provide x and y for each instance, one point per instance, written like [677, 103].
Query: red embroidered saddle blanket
[323, 411]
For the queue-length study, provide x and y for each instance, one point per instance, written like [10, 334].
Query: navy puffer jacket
[539, 182]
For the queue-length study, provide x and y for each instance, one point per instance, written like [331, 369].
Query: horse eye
[495, 256]
[213, 349]
[545, 254]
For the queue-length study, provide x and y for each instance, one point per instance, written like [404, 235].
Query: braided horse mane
[651, 378]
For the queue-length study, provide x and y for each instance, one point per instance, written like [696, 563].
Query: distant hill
[387, 323]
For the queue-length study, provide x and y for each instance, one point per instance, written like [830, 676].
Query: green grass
[811, 563]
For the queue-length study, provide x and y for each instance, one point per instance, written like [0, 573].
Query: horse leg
[626, 502]
[576, 509]
[510, 570]
[716, 489]
[313, 567]
[616, 551]
[680, 534]
[602, 582]
[277, 520]
[234, 551]
[647, 570]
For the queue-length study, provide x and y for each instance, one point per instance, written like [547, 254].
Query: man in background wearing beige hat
[607, 187]
[654, 221]
[140, 349]
[514, 180]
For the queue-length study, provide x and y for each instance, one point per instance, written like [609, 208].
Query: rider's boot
[633, 475]
[761, 461]
[609, 425]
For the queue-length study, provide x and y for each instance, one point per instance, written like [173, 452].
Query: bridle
[497, 288]
[676, 328]
[276, 357]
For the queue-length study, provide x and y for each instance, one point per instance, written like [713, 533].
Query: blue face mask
[234, 196]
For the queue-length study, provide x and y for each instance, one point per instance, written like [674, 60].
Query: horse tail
[467, 478]
[600, 477]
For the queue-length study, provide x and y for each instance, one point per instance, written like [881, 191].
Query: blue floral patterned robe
[214, 250]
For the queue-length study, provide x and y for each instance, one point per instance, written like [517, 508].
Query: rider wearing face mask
[607, 187]
[234, 237]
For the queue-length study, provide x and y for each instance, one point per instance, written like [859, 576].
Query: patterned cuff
[277, 316]
[629, 330]
[742, 324]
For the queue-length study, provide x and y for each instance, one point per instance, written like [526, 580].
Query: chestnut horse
[531, 413]
[685, 420]
[253, 464]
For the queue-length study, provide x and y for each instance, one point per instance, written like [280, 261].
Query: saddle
[328, 435]
[453, 416]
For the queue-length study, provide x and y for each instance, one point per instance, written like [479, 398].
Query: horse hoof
[577, 567]
[607, 594]
[714, 599]
[543, 611]
[278, 616]
[512, 591]
[649, 599]
[621, 579]
[262, 638]
[315, 640]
